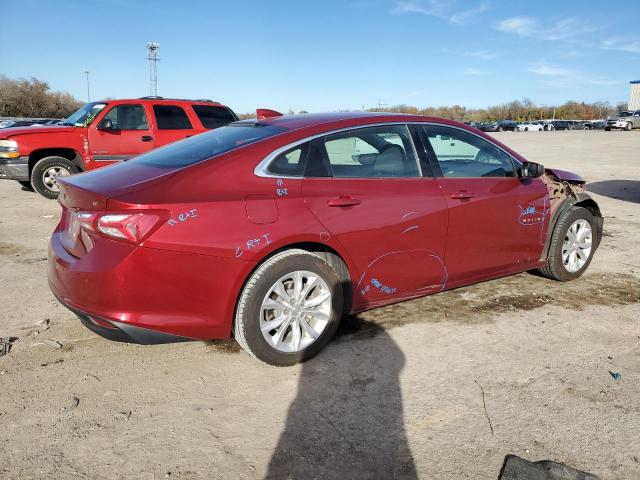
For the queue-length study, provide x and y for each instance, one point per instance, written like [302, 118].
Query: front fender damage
[567, 190]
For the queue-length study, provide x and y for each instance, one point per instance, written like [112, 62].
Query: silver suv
[626, 120]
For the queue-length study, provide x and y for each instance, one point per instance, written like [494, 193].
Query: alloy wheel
[577, 245]
[50, 174]
[295, 311]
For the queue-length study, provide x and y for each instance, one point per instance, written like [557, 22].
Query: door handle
[146, 138]
[344, 201]
[462, 195]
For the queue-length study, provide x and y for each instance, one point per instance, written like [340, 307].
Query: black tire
[555, 268]
[500, 129]
[607, 129]
[26, 185]
[247, 320]
[40, 169]
[628, 127]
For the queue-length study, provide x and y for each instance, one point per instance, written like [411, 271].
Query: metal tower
[87, 72]
[154, 57]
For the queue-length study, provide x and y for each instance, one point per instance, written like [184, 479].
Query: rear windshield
[206, 145]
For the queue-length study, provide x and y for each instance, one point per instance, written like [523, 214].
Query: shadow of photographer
[347, 418]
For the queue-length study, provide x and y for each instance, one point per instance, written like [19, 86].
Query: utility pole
[87, 72]
[381, 105]
[154, 57]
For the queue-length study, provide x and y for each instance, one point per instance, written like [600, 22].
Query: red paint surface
[403, 238]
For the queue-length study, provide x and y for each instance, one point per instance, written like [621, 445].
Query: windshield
[206, 145]
[625, 114]
[85, 115]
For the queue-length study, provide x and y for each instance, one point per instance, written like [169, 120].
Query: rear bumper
[14, 168]
[120, 332]
[147, 295]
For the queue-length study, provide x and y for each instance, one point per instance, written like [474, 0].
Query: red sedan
[271, 229]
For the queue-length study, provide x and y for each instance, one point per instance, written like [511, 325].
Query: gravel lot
[399, 393]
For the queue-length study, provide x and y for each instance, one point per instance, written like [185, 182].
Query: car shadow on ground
[347, 419]
[627, 190]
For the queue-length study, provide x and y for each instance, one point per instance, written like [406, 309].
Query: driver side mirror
[531, 170]
[105, 124]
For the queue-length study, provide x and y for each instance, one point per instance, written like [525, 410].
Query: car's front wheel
[572, 245]
[45, 172]
[628, 126]
[289, 308]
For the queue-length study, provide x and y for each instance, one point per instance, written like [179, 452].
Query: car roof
[160, 100]
[338, 119]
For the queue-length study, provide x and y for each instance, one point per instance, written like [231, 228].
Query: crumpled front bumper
[14, 168]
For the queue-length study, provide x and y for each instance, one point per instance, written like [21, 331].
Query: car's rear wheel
[289, 308]
[45, 172]
[572, 245]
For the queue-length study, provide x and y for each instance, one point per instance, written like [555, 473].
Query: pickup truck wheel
[572, 245]
[289, 309]
[26, 185]
[44, 173]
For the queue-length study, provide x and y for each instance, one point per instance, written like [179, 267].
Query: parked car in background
[562, 125]
[99, 134]
[488, 127]
[530, 127]
[28, 122]
[627, 120]
[507, 125]
[596, 124]
[272, 228]
[499, 126]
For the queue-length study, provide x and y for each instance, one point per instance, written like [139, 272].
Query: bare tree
[33, 98]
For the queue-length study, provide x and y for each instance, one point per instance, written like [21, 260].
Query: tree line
[33, 98]
[516, 110]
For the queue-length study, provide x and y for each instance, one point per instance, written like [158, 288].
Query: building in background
[634, 96]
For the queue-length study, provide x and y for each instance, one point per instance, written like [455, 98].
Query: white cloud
[559, 77]
[483, 54]
[548, 70]
[565, 29]
[475, 72]
[618, 43]
[522, 26]
[439, 9]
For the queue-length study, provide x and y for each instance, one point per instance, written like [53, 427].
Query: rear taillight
[129, 227]
[132, 227]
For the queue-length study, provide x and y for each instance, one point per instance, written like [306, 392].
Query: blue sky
[330, 55]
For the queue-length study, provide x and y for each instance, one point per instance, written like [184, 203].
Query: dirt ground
[398, 394]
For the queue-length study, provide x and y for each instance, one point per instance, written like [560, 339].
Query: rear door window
[370, 152]
[171, 117]
[290, 163]
[213, 117]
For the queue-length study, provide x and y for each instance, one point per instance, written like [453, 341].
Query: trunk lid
[91, 190]
[85, 196]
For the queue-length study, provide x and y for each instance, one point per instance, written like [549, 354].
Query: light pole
[87, 72]
[154, 57]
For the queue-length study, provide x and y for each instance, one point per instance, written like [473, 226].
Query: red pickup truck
[101, 133]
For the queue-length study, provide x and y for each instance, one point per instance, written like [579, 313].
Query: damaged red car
[271, 229]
